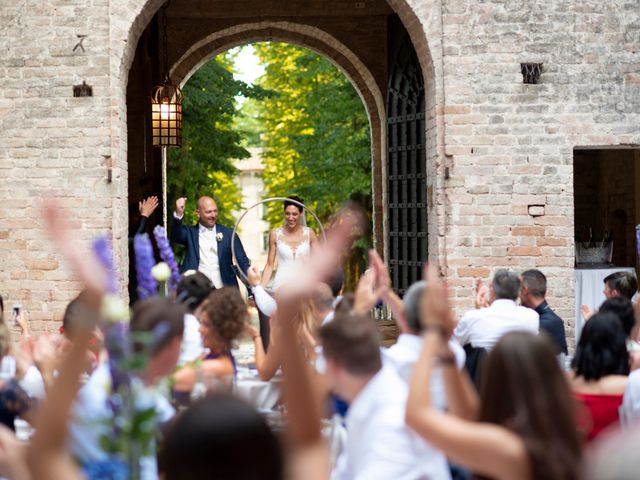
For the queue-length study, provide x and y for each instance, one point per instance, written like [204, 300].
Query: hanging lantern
[166, 115]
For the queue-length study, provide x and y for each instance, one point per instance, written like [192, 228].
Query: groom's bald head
[207, 211]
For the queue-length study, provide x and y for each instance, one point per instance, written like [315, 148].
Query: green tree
[211, 139]
[317, 136]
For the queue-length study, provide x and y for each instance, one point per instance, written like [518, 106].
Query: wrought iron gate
[406, 161]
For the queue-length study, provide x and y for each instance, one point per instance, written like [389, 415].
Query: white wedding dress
[289, 256]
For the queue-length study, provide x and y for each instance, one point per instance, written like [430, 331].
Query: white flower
[219, 236]
[114, 309]
[161, 272]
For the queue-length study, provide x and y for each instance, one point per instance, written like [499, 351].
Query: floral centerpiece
[130, 433]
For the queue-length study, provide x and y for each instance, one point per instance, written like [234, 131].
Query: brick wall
[512, 144]
[500, 152]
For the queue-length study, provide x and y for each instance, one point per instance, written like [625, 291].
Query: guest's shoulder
[474, 314]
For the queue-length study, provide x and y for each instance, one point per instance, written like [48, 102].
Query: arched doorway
[371, 74]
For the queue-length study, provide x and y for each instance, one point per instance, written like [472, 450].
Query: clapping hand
[482, 294]
[148, 205]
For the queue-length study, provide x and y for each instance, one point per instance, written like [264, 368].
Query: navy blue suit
[189, 237]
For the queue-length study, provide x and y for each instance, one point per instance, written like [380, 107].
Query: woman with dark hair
[226, 433]
[222, 321]
[600, 367]
[526, 427]
[288, 244]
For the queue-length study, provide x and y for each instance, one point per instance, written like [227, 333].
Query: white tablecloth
[589, 287]
[262, 395]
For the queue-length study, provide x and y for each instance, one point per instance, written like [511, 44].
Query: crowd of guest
[488, 395]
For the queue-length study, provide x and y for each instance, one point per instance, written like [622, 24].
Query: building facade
[472, 167]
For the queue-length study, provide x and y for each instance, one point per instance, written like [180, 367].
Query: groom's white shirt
[208, 252]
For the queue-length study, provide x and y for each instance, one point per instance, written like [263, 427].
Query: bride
[289, 244]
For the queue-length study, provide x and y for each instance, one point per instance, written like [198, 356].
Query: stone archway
[141, 12]
[331, 49]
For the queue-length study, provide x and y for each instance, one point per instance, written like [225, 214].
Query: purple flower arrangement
[166, 253]
[143, 251]
[102, 248]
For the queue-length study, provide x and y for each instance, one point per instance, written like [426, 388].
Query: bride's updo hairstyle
[297, 199]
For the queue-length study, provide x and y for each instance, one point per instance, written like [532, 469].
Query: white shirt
[208, 249]
[483, 327]
[91, 419]
[403, 355]
[208, 252]
[191, 347]
[380, 446]
[630, 408]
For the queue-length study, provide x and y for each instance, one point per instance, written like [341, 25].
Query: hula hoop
[267, 200]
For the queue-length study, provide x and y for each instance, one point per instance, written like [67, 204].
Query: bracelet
[446, 360]
[435, 328]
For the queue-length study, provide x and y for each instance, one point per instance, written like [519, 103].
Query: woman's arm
[47, 456]
[271, 258]
[487, 449]
[267, 363]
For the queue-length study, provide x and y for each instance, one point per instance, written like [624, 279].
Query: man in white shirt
[403, 355]
[208, 244]
[379, 444]
[482, 328]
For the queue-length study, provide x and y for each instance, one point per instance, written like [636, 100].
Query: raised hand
[436, 311]
[587, 313]
[366, 296]
[148, 205]
[85, 265]
[180, 204]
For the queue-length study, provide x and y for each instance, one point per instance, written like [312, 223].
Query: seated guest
[92, 415]
[524, 431]
[379, 444]
[193, 289]
[623, 309]
[14, 400]
[616, 285]
[223, 318]
[322, 304]
[532, 295]
[600, 368]
[620, 284]
[72, 321]
[482, 328]
[403, 355]
[223, 431]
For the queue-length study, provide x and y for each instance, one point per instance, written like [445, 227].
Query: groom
[208, 244]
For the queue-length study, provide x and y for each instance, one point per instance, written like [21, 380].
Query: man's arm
[241, 257]
[178, 230]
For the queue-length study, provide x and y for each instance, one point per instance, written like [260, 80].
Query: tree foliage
[211, 139]
[317, 134]
[317, 137]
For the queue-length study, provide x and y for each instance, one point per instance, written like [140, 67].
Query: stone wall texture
[497, 147]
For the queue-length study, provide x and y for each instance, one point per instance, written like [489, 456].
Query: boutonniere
[219, 236]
